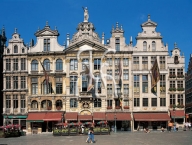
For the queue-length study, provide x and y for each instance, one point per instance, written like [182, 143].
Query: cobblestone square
[119, 138]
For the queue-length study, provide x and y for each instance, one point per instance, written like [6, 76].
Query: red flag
[46, 75]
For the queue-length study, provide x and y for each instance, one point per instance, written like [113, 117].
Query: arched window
[34, 65]
[46, 104]
[15, 49]
[144, 45]
[176, 60]
[34, 104]
[59, 64]
[47, 87]
[153, 46]
[23, 50]
[46, 64]
[8, 51]
[58, 104]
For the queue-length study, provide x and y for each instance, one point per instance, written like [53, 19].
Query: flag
[91, 81]
[120, 100]
[46, 75]
[120, 73]
[155, 76]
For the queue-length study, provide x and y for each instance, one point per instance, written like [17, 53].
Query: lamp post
[115, 118]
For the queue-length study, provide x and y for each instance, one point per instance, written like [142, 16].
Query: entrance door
[44, 125]
[50, 126]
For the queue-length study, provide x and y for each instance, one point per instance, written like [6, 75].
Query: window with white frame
[73, 84]
[153, 46]
[145, 83]
[59, 85]
[117, 44]
[172, 72]
[145, 63]
[162, 102]
[162, 84]
[110, 75]
[85, 61]
[59, 64]
[180, 99]
[23, 63]
[145, 102]
[118, 89]
[153, 102]
[144, 46]
[97, 103]
[73, 64]
[15, 49]
[136, 102]
[172, 99]
[162, 62]
[15, 64]
[98, 83]
[125, 74]
[109, 103]
[34, 86]
[153, 58]
[8, 101]
[73, 103]
[109, 89]
[34, 65]
[109, 61]
[84, 83]
[136, 83]
[117, 74]
[97, 63]
[23, 101]
[8, 82]
[126, 89]
[8, 64]
[34, 104]
[125, 62]
[179, 71]
[46, 44]
[46, 87]
[179, 84]
[23, 82]
[46, 64]
[172, 84]
[15, 82]
[117, 61]
[15, 101]
[135, 63]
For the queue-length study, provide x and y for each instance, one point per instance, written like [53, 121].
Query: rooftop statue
[86, 14]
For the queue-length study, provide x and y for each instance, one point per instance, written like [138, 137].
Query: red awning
[53, 116]
[35, 116]
[71, 116]
[84, 117]
[151, 116]
[118, 116]
[99, 116]
[177, 114]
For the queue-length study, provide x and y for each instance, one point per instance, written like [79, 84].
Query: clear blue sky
[174, 18]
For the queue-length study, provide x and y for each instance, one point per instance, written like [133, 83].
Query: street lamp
[115, 118]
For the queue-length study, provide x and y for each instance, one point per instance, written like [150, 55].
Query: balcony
[180, 89]
[172, 89]
[172, 76]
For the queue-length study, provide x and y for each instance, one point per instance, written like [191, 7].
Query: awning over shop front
[151, 116]
[99, 116]
[71, 116]
[53, 116]
[118, 116]
[35, 116]
[16, 116]
[177, 114]
[84, 117]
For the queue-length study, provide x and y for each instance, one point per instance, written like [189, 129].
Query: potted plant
[65, 131]
[58, 107]
[173, 89]
[56, 132]
[73, 131]
[126, 107]
[182, 106]
[170, 89]
[105, 130]
[109, 107]
[171, 106]
[178, 106]
[117, 107]
[97, 130]
[49, 108]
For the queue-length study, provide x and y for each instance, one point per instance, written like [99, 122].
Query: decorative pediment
[73, 73]
[149, 24]
[46, 31]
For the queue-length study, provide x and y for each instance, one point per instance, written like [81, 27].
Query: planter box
[105, 131]
[126, 107]
[73, 131]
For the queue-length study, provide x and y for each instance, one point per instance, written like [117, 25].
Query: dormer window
[176, 60]
[144, 46]
[46, 44]
[15, 49]
[117, 44]
[23, 50]
[8, 51]
[153, 46]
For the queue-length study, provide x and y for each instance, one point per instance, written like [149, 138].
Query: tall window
[145, 84]
[46, 64]
[136, 102]
[59, 85]
[8, 64]
[109, 89]
[109, 61]
[8, 82]
[117, 74]
[84, 83]
[34, 86]
[125, 62]
[172, 84]
[118, 89]
[47, 88]
[109, 103]
[23, 63]
[34, 104]
[85, 62]
[179, 84]
[126, 89]
[162, 102]
[73, 84]
[34, 65]
[125, 74]
[15, 101]
[179, 72]
[8, 51]
[15, 49]
[172, 72]
[153, 102]
[59, 64]
[110, 75]
[73, 103]
[145, 63]
[97, 64]
[117, 102]
[117, 44]
[172, 99]
[180, 99]
[23, 101]
[153, 58]
[15, 64]
[145, 102]
[59, 103]
[73, 64]
[162, 84]
[46, 44]
[23, 50]
[153, 46]
[117, 61]
[136, 63]
[97, 103]
[98, 84]
[144, 46]
[162, 62]
[8, 101]
[23, 82]
[136, 83]
[15, 82]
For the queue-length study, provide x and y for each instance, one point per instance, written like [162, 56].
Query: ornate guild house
[91, 79]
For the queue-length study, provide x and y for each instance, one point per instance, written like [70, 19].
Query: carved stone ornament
[85, 104]
[67, 60]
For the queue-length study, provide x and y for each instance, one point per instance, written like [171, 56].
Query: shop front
[152, 121]
[178, 117]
